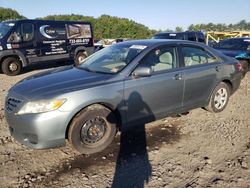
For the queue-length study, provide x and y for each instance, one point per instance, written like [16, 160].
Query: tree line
[107, 26]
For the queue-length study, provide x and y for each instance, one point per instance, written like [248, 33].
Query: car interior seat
[165, 62]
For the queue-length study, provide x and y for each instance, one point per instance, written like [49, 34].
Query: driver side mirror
[142, 72]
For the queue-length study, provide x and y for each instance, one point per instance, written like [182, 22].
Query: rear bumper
[236, 82]
[38, 131]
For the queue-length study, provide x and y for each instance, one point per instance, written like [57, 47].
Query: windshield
[235, 44]
[113, 59]
[5, 27]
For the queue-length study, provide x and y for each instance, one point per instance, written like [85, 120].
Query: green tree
[243, 25]
[107, 26]
[179, 29]
[7, 14]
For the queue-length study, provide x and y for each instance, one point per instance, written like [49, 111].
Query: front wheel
[219, 98]
[11, 66]
[92, 130]
[80, 57]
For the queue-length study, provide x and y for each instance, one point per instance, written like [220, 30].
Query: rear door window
[196, 56]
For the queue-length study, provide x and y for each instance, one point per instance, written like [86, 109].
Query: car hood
[57, 81]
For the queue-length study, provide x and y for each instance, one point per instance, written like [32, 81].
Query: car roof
[152, 42]
[39, 20]
[174, 32]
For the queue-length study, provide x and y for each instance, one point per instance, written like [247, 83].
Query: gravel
[199, 149]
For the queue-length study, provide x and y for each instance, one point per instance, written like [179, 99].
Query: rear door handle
[178, 76]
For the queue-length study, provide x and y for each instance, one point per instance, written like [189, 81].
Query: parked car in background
[128, 83]
[187, 35]
[238, 48]
[107, 42]
[23, 42]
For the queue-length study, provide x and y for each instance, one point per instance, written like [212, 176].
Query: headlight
[41, 106]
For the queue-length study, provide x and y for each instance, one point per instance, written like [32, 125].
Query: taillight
[239, 66]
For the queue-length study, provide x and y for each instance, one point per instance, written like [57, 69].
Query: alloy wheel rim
[220, 98]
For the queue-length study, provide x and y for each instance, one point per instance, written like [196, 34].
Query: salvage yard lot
[199, 149]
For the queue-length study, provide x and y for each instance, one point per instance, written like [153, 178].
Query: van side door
[52, 41]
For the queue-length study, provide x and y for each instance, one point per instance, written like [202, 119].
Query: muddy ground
[200, 149]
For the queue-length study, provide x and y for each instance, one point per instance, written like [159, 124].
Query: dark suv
[238, 48]
[187, 35]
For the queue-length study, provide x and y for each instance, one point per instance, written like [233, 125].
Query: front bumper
[39, 131]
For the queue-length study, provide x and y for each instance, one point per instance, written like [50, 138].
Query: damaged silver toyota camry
[120, 86]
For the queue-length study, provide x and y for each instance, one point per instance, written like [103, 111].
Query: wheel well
[116, 113]
[14, 56]
[81, 50]
[5, 57]
[229, 83]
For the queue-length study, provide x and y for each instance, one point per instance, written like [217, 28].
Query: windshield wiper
[95, 71]
[85, 68]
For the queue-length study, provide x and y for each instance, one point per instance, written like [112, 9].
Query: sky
[155, 14]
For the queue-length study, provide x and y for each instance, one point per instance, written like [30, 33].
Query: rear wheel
[92, 130]
[219, 98]
[80, 56]
[11, 66]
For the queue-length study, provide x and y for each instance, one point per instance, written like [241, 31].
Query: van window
[191, 36]
[5, 27]
[200, 37]
[15, 36]
[196, 56]
[24, 33]
[27, 31]
[78, 31]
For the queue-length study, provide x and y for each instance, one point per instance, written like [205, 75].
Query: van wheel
[11, 66]
[92, 130]
[219, 98]
[79, 59]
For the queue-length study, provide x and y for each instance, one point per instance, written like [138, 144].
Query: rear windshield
[5, 28]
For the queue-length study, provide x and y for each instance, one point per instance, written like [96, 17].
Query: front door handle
[177, 76]
[217, 68]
